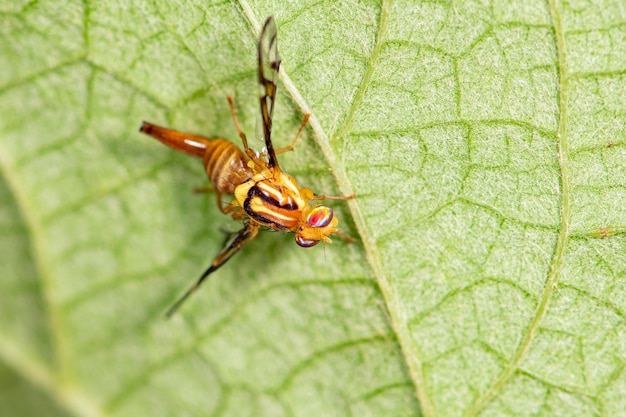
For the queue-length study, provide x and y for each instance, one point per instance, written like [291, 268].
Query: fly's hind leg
[249, 152]
[293, 144]
[244, 139]
[240, 132]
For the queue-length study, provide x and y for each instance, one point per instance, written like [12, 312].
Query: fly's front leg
[344, 236]
[309, 195]
[333, 197]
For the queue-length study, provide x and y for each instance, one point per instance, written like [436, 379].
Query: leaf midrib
[397, 318]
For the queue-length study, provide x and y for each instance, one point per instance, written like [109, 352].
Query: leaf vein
[557, 257]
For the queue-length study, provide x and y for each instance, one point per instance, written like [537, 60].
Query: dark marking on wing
[269, 64]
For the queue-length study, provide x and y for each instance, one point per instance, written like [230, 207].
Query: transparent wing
[269, 63]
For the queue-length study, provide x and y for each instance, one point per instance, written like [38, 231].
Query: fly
[264, 195]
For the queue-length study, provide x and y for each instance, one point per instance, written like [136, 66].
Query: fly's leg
[209, 189]
[251, 154]
[309, 195]
[204, 189]
[233, 206]
[344, 236]
[240, 132]
[333, 197]
[293, 144]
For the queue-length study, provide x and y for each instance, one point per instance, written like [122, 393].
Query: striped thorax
[272, 201]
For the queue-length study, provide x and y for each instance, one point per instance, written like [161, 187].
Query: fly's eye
[306, 243]
[319, 216]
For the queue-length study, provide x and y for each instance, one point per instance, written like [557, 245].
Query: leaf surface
[485, 145]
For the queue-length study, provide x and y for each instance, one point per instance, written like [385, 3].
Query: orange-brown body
[225, 164]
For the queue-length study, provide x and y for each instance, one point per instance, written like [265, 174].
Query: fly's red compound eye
[305, 243]
[320, 216]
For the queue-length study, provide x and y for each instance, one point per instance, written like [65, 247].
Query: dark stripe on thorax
[255, 192]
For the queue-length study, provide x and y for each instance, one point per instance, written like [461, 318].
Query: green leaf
[485, 143]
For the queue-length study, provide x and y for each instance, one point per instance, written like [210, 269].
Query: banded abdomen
[225, 164]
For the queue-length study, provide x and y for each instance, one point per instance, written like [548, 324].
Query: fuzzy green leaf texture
[486, 145]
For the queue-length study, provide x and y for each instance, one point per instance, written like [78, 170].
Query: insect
[264, 195]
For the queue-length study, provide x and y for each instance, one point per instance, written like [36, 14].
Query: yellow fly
[264, 195]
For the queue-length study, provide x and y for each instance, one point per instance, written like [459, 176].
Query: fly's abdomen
[226, 166]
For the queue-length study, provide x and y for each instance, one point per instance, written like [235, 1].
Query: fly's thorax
[273, 201]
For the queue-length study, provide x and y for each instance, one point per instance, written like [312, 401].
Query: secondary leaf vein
[563, 233]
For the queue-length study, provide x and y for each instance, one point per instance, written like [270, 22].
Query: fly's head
[278, 203]
[316, 224]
